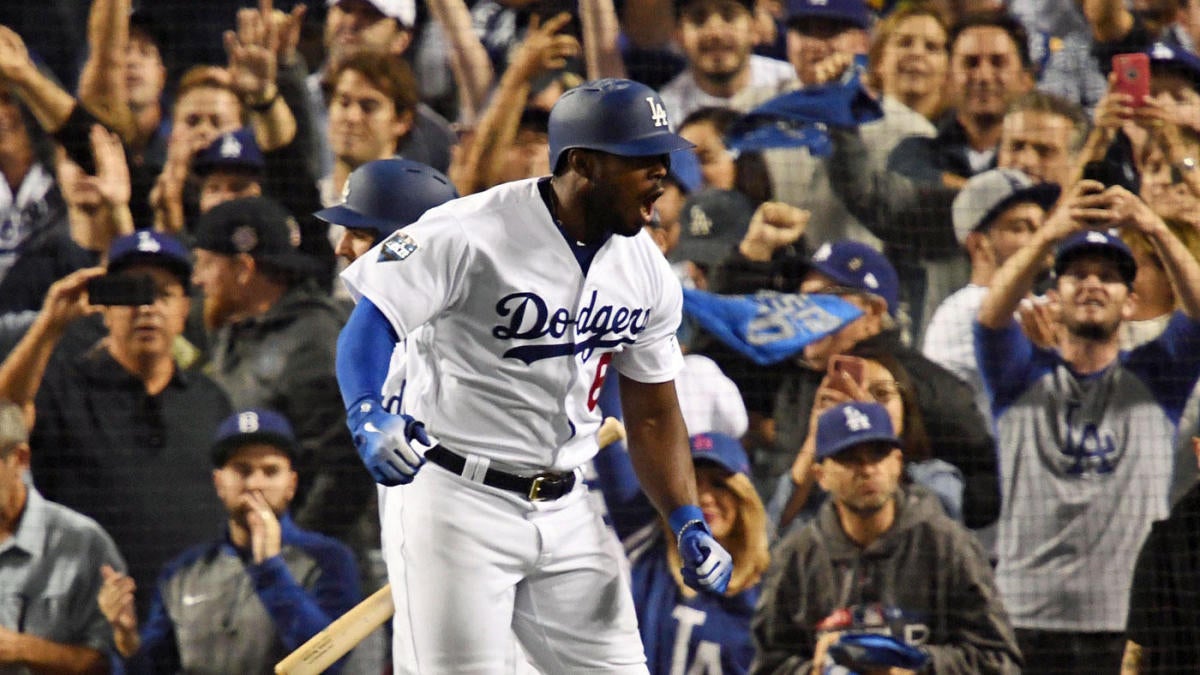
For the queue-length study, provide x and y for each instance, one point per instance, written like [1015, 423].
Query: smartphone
[1111, 173]
[132, 291]
[1133, 76]
[850, 365]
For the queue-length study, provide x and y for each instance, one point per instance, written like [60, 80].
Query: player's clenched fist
[391, 446]
[707, 566]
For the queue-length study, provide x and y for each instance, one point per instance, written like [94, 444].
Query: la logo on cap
[658, 114]
[822, 253]
[247, 422]
[147, 243]
[230, 147]
[856, 420]
[701, 225]
[1096, 237]
[1162, 51]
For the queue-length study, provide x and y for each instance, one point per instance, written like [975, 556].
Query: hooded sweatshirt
[926, 580]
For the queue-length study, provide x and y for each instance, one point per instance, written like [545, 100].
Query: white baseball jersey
[516, 339]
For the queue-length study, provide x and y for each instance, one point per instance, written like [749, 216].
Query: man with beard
[121, 430]
[272, 345]
[878, 558]
[499, 535]
[989, 68]
[1086, 432]
[240, 603]
[717, 37]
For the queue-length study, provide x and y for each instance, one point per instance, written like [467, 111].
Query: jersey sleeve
[656, 356]
[1006, 363]
[413, 274]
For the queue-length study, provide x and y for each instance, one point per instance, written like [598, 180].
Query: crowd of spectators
[1015, 220]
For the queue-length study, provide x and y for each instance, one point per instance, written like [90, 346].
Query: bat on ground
[344, 634]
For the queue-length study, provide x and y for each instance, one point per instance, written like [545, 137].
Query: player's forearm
[658, 444]
[53, 658]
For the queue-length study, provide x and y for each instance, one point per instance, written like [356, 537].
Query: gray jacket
[926, 579]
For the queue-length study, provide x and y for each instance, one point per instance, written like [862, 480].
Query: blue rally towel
[768, 327]
[864, 652]
[801, 118]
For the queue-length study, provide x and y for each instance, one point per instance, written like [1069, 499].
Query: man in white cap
[994, 215]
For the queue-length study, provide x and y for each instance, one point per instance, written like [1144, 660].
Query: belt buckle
[535, 488]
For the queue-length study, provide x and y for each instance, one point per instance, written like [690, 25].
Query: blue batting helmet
[388, 194]
[620, 117]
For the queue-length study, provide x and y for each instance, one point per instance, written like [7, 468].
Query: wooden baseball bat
[351, 628]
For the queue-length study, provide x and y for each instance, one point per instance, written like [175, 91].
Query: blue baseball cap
[855, 265]
[387, 194]
[147, 247]
[847, 425]
[855, 12]
[1098, 242]
[1170, 58]
[254, 425]
[724, 451]
[230, 150]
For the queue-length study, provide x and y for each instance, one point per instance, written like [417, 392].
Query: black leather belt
[540, 488]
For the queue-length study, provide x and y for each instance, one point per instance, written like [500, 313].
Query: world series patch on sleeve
[397, 247]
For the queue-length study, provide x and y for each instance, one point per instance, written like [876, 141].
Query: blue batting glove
[391, 446]
[707, 566]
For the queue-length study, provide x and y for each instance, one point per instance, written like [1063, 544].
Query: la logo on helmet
[657, 112]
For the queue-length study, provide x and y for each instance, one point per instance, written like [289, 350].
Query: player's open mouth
[648, 206]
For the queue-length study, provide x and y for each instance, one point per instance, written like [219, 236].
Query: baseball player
[379, 198]
[528, 293]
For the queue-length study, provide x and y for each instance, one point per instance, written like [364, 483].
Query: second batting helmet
[388, 194]
[620, 117]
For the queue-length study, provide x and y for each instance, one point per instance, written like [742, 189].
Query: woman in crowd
[885, 381]
[707, 633]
